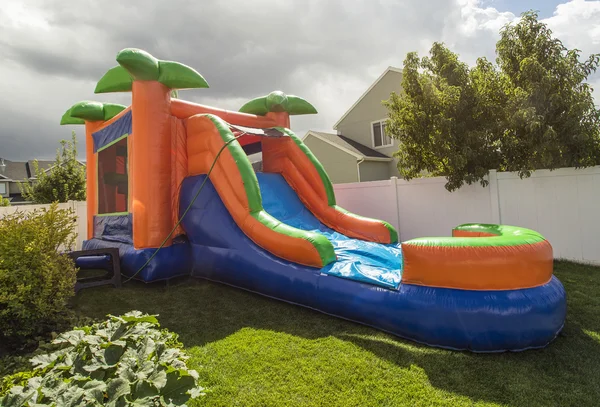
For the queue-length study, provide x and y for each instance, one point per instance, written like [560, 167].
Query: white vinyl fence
[80, 209]
[563, 205]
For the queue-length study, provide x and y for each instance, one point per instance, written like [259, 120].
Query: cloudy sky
[52, 52]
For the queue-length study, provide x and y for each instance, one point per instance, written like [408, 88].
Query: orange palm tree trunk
[151, 163]
[90, 159]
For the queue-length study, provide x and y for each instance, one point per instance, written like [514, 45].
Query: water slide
[272, 233]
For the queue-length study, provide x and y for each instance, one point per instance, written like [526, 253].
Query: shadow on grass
[563, 374]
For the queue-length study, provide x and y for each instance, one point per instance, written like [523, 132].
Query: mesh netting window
[113, 178]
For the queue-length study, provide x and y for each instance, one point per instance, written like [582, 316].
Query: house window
[380, 139]
[112, 178]
[2, 188]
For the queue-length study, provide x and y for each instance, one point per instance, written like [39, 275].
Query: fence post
[394, 182]
[494, 196]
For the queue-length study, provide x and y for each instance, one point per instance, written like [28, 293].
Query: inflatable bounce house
[170, 184]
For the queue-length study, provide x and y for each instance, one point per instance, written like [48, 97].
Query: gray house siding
[374, 170]
[357, 124]
[14, 188]
[339, 165]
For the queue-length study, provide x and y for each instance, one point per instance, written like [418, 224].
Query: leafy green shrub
[36, 281]
[126, 360]
[4, 202]
[63, 182]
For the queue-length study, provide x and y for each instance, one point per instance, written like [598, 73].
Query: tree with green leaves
[531, 110]
[64, 181]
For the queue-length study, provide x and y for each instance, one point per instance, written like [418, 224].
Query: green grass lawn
[254, 351]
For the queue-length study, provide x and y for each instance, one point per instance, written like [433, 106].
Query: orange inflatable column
[150, 163]
[281, 119]
[90, 157]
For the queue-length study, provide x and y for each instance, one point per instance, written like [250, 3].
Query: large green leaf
[117, 388]
[256, 106]
[112, 354]
[175, 75]
[95, 389]
[177, 388]
[140, 64]
[116, 79]
[137, 316]
[91, 111]
[112, 109]
[297, 106]
[144, 390]
[88, 110]
[68, 119]
[18, 397]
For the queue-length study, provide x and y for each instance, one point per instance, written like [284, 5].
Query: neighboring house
[13, 172]
[361, 151]
[345, 160]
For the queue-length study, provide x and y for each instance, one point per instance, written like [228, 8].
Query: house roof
[389, 69]
[22, 170]
[43, 165]
[360, 151]
[14, 170]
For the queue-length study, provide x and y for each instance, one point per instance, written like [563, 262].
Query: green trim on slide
[329, 186]
[320, 242]
[319, 167]
[390, 228]
[505, 236]
[243, 164]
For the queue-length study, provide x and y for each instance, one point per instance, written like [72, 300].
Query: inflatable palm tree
[278, 101]
[147, 127]
[138, 65]
[91, 111]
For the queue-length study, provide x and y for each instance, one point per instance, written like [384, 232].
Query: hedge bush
[36, 280]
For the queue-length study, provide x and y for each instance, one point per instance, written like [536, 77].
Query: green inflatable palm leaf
[175, 75]
[278, 102]
[91, 111]
[298, 105]
[117, 79]
[141, 65]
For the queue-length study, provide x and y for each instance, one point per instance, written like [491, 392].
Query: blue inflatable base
[474, 349]
[171, 261]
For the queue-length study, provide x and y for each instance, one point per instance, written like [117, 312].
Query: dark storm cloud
[52, 52]
[244, 49]
[32, 138]
[241, 47]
